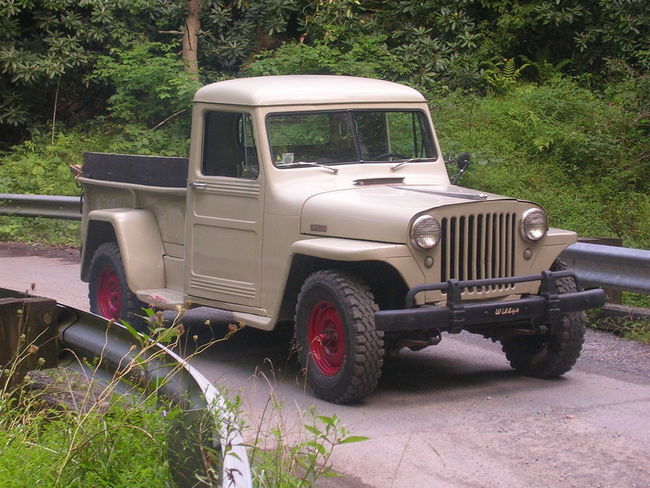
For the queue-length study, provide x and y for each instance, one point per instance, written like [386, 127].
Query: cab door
[224, 213]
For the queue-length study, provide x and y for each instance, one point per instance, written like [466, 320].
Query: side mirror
[463, 160]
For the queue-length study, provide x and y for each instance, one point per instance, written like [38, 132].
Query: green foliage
[502, 75]
[39, 231]
[123, 447]
[582, 157]
[584, 31]
[46, 47]
[429, 43]
[637, 300]
[49, 48]
[367, 56]
[40, 167]
[150, 83]
[438, 43]
[233, 30]
[639, 331]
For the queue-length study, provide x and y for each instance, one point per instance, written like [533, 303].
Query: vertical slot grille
[475, 247]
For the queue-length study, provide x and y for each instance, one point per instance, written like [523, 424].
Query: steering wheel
[379, 157]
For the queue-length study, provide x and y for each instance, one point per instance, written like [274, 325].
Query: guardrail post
[28, 338]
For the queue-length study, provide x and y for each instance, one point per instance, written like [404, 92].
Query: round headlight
[425, 232]
[534, 225]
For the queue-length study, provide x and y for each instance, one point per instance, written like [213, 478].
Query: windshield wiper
[397, 166]
[296, 164]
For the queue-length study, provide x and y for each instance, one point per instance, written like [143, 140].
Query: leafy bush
[367, 56]
[39, 231]
[46, 50]
[150, 83]
[40, 167]
[580, 155]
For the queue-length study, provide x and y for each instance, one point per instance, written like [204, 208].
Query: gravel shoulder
[609, 355]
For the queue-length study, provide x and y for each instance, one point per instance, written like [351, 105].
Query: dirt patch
[20, 249]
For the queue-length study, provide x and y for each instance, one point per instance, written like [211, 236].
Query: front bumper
[548, 306]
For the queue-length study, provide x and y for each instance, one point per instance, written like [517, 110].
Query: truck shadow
[436, 372]
[431, 373]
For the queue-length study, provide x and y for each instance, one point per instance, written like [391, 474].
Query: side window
[409, 135]
[229, 146]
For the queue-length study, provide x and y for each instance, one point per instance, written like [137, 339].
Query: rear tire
[339, 348]
[108, 290]
[552, 354]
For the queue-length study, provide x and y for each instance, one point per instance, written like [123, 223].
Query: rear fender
[137, 234]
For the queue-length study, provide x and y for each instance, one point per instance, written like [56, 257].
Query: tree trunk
[190, 38]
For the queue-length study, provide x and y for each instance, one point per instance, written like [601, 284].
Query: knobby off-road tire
[552, 354]
[338, 346]
[108, 291]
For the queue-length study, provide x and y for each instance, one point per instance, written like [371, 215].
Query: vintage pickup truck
[324, 201]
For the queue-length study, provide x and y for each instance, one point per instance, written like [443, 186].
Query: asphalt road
[453, 415]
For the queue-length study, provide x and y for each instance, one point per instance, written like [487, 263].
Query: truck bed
[154, 183]
[162, 171]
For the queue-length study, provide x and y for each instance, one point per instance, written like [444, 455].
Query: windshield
[352, 136]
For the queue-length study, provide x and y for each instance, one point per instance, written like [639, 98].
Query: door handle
[199, 185]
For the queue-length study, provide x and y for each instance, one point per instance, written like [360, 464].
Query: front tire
[339, 348]
[552, 354]
[108, 290]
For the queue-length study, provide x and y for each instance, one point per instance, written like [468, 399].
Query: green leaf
[313, 430]
[354, 438]
[317, 447]
[132, 330]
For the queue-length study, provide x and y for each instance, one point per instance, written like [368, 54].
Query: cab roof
[305, 90]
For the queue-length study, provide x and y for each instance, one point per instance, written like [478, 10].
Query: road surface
[453, 415]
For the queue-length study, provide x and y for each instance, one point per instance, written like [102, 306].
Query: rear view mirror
[462, 161]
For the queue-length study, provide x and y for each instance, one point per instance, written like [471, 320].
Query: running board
[164, 298]
[168, 299]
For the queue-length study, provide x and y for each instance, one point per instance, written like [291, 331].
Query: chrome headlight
[425, 232]
[534, 225]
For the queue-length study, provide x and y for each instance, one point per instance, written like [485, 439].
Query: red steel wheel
[109, 296]
[339, 348]
[326, 337]
[108, 289]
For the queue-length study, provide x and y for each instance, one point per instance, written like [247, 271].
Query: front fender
[348, 249]
[138, 236]
[351, 250]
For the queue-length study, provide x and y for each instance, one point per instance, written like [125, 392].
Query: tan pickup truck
[325, 201]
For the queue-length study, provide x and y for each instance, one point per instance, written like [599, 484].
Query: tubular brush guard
[457, 315]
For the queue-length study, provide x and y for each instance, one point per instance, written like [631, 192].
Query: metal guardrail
[48, 206]
[619, 268]
[610, 267]
[89, 336]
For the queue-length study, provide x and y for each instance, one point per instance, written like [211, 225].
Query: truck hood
[381, 213]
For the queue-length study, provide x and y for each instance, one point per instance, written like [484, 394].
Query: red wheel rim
[109, 294]
[326, 336]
